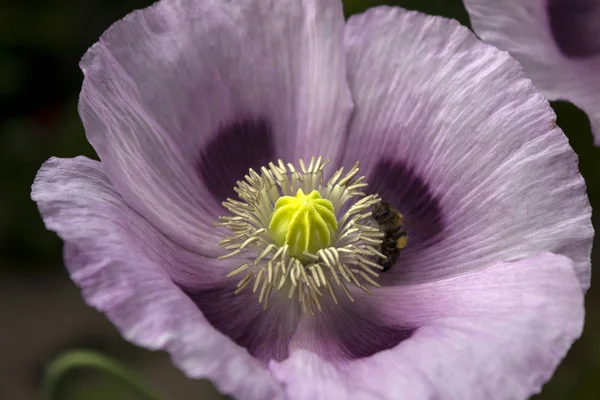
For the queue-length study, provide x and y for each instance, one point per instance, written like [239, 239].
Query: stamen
[332, 294]
[239, 269]
[334, 250]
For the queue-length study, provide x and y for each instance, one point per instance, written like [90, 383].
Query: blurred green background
[41, 312]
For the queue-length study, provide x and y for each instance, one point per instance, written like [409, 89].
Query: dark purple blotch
[575, 25]
[265, 334]
[234, 149]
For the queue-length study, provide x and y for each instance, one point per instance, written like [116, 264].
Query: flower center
[304, 245]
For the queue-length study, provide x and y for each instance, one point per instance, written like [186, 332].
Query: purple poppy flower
[280, 293]
[556, 41]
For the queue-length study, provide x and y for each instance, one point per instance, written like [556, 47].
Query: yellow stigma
[304, 223]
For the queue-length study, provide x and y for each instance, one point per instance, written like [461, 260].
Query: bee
[394, 239]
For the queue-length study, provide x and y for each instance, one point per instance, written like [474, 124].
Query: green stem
[90, 359]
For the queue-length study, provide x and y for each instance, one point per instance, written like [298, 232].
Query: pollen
[301, 238]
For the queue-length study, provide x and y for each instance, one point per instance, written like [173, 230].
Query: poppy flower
[556, 41]
[244, 147]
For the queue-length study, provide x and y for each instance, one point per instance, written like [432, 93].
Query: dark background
[41, 312]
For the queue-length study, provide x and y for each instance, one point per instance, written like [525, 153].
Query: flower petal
[495, 333]
[117, 259]
[556, 41]
[181, 98]
[450, 132]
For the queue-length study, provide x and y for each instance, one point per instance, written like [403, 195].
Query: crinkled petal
[556, 41]
[119, 261]
[450, 131]
[494, 333]
[181, 98]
